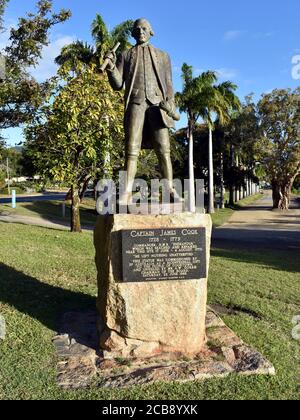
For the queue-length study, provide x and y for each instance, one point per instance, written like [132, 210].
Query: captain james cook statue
[145, 73]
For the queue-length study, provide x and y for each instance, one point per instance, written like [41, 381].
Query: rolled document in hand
[107, 60]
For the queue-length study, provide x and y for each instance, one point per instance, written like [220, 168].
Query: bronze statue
[145, 73]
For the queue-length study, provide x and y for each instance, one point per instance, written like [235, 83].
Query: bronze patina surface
[145, 73]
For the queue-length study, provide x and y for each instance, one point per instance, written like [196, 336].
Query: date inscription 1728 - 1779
[164, 254]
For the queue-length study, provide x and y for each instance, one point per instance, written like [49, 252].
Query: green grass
[45, 272]
[52, 210]
[223, 215]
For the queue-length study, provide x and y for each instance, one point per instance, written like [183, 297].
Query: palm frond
[76, 51]
[122, 33]
[100, 34]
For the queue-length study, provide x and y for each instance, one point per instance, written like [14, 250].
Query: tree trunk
[84, 187]
[222, 204]
[75, 211]
[281, 195]
[211, 197]
[231, 188]
[237, 187]
[192, 198]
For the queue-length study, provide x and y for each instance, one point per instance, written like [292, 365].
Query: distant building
[20, 179]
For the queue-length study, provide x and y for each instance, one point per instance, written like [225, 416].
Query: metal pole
[14, 199]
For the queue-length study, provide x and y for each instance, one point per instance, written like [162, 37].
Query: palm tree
[222, 102]
[190, 101]
[201, 97]
[78, 50]
[104, 41]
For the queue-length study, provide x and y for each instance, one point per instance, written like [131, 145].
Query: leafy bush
[2, 179]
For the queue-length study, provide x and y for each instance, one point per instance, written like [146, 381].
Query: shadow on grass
[277, 260]
[40, 301]
[53, 211]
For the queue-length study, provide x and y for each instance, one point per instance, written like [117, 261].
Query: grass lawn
[222, 216]
[45, 272]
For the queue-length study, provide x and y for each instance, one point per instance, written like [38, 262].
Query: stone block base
[148, 318]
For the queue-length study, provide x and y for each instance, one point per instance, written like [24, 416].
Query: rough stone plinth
[80, 364]
[148, 318]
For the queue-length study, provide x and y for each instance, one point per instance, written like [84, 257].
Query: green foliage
[2, 177]
[279, 149]
[71, 53]
[297, 183]
[14, 156]
[20, 94]
[31, 35]
[201, 97]
[148, 167]
[194, 94]
[104, 41]
[77, 136]
[3, 5]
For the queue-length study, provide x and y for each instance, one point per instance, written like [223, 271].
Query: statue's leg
[162, 148]
[161, 142]
[134, 124]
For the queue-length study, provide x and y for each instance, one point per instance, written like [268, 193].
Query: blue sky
[250, 43]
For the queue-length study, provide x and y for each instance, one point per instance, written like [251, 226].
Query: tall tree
[104, 41]
[242, 136]
[71, 53]
[3, 5]
[20, 94]
[190, 101]
[221, 101]
[279, 114]
[71, 136]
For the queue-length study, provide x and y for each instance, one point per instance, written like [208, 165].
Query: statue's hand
[170, 108]
[111, 58]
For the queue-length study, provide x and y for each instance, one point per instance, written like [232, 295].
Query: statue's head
[142, 31]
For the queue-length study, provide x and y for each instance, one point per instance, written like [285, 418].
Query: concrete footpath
[258, 226]
[34, 221]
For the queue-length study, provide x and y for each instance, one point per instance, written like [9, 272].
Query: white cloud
[199, 71]
[262, 35]
[47, 67]
[225, 73]
[232, 35]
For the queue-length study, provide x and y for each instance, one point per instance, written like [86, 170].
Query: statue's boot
[126, 197]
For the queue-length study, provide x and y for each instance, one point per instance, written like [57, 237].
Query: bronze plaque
[164, 254]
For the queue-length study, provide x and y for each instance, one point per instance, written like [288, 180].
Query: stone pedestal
[144, 319]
